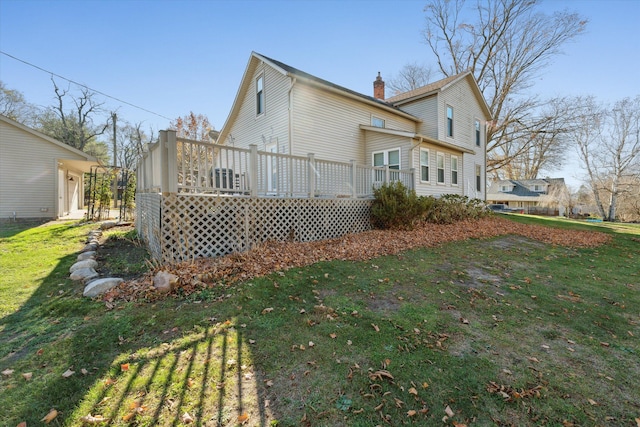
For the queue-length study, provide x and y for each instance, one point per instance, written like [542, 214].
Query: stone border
[84, 268]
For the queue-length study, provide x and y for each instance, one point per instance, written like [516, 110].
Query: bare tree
[411, 76]
[75, 126]
[608, 144]
[131, 141]
[506, 47]
[192, 126]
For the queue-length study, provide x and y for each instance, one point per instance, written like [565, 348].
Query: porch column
[253, 170]
[312, 175]
[354, 179]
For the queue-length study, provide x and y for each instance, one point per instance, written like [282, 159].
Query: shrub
[451, 208]
[395, 206]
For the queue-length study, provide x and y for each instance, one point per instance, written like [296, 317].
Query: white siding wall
[427, 110]
[248, 128]
[432, 188]
[327, 125]
[28, 174]
[466, 110]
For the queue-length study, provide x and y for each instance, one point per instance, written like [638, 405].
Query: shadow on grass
[122, 371]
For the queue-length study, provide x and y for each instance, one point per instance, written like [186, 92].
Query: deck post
[164, 159]
[387, 175]
[253, 170]
[172, 163]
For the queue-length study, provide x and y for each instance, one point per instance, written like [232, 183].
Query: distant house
[536, 196]
[438, 130]
[40, 177]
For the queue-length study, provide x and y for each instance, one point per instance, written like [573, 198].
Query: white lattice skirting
[179, 227]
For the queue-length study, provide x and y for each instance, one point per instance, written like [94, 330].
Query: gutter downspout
[290, 126]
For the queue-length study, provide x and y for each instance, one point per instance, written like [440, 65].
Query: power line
[83, 85]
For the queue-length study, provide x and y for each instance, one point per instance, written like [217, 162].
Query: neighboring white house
[40, 177]
[544, 196]
[438, 130]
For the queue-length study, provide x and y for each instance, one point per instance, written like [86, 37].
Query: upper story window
[454, 170]
[450, 121]
[260, 95]
[424, 165]
[477, 131]
[377, 122]
[538, 188]
[505, 188]
[440, 165]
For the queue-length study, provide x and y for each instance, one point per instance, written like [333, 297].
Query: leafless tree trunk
[506, 48]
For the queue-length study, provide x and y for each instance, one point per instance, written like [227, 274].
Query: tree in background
[192, 126]
[74, 126]
[14, 106]
[608, 144]
[411, 76]
[506, 46]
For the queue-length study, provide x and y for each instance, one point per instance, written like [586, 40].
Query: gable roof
[520, 188]
[439, 86]
[299, 75]
[47, 138]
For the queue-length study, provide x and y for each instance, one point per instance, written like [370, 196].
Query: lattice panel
[195, 226]
[148, 221]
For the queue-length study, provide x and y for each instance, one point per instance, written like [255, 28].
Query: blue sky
[172, 57]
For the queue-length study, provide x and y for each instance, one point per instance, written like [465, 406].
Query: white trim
[444, 169]
[374, 118]
[386, 157]
[456, 170]
[260, 77]
[446, 122]
[428, 165]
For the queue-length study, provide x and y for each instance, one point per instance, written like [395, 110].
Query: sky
[160, 59]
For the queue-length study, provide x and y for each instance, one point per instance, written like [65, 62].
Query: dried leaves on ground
[276, 256]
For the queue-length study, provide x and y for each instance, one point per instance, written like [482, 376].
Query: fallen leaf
[7, 372]
[124, 367]
[464, 321]
[27, 375]
[592, 402]
[411, 413]
[349, 342]
[638, 421]
[84, 371]
[413, 391]
[40, 352]
[269, 383]
[190, 382]
[67, 373]
[109, 381]
[22, 424]
[311, 344]
[448, 411]
[377, 329]
[50, 416]
[333, 336]
[243, 418]
[129, 416]
[94, 419]
[604, 344]
[267, 310]
[186, 418]
[533, 359]
[252, 341]
[425, 385]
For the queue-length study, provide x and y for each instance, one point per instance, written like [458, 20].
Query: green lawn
[503, 331]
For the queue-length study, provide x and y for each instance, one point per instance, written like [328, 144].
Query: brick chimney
[378, 87]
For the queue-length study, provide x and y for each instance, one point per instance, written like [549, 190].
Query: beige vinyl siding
[427, 110]
[248, 128]
[376, 142]
[466, 110]
[432, 188]
[327, 125]
[29, 174]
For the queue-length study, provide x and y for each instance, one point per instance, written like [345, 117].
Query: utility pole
[114, 118]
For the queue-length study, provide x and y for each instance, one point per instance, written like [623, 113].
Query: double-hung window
[454, 170]
[449, 121]
[260, 95]
[440, 166]
[424, 165]
[389, 158]
[478, 178]
[477, 132]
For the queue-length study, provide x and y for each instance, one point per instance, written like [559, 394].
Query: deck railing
[175, 165]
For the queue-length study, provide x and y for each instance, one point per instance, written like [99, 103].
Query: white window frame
[386, 158]
[425, 150]
[505, 188]
[377, 121]
[440, 156]
[449, 131]
[477, 131]
[260, 97]
[479, 178]
[457, 175]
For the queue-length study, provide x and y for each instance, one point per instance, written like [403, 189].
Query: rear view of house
[40, 177]
[437, 130]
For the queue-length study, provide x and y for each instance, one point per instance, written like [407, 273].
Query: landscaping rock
[107, 225]
[89, 247]
[87, 263]
[164, 282]
[100, 286]
[86, 255]
[84, 274]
